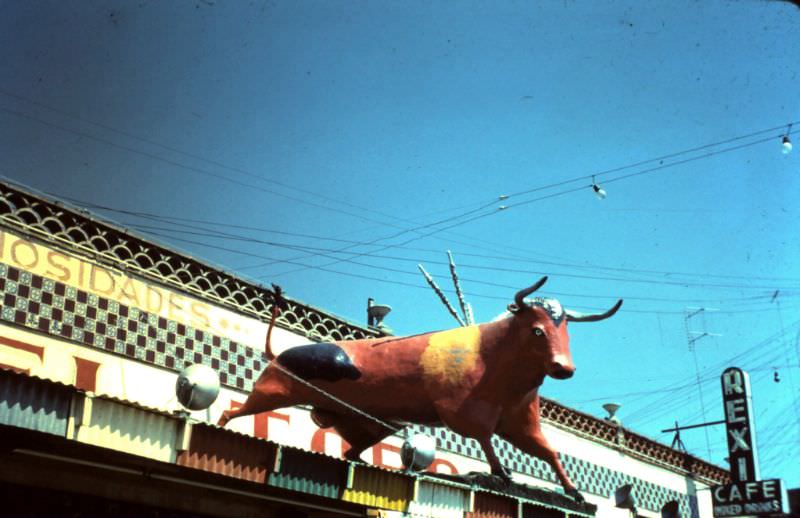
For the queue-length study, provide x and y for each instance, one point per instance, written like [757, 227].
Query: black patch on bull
[323, 361]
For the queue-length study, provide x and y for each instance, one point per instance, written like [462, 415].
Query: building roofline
[63, 226]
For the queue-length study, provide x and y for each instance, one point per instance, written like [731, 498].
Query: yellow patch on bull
[450, 355]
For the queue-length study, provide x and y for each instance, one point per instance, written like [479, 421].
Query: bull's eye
[538, 331]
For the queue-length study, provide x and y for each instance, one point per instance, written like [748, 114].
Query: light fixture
[376, 313]
[418, 451]
[612, 408]
[786, 146]
[197, 386]
[598, 191]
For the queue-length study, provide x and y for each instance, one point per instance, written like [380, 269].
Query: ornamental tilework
[587, 476]
[49, 306]
[65, 312]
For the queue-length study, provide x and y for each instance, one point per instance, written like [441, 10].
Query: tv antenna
[692, 337]
[466, 308]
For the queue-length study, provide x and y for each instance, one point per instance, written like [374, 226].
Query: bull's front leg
[491, 457]
[477, 420]
[520, 426]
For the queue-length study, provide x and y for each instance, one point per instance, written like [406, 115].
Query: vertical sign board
[747, 495]
[739, 427]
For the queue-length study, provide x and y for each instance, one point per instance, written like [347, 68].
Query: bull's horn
[574, 316]
[521, 294]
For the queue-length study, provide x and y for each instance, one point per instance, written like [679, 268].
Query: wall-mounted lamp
[598, 191]
[612, 408]
[786, 144]
[376, 313]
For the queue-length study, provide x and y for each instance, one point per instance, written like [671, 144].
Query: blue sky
[341, 133]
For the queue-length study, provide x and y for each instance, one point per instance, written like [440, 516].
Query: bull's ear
[513, 308]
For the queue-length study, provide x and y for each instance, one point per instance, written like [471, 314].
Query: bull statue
[478, 381]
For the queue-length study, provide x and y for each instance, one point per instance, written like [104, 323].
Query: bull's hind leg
[520, 426]
[267, 394]
[359, 432]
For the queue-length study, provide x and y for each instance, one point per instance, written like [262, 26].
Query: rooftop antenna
[466, 309]
[441, 294]
[692, 337]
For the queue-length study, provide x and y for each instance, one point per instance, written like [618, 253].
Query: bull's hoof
[503, 474]
[575, 495]
[487, 480]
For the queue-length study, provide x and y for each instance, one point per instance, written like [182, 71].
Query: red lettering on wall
[16, 344]
[434, 467]
[85, 374]
[318, 440]
[261, 425]
[377, 455]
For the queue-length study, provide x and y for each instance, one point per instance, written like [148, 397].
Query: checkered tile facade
[65, 312]
[587, 476]
[68, 313]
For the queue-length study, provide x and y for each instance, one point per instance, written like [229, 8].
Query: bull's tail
[278, 303]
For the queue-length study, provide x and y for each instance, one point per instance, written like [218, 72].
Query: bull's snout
[561, 369]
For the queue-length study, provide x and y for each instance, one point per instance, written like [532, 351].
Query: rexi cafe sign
[746, 495]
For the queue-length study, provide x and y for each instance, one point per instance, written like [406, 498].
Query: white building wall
[141, 368]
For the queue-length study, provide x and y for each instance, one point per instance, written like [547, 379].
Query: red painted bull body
[477, 380]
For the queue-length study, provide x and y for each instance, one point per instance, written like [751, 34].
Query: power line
[670, 400]
[419, 227]
[359, 207]
[327, 253]
[541, 198]
[408, 284]
[670, 392]
[192, 168]
[174, 219]
[188, 154]
[660, 158]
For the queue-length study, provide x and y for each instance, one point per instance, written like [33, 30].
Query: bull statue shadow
[477, 380]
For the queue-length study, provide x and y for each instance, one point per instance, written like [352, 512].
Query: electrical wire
[687, 384]
[394, 282]
[526, 202]
[482, 204]
[178, 220]
[325, 253]
[193, 156]
[146, 228]
[194, 169]
[428, 225]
